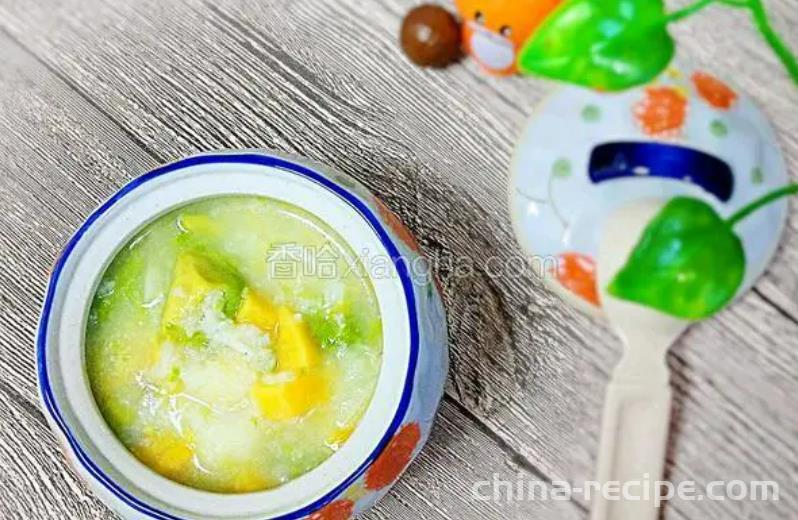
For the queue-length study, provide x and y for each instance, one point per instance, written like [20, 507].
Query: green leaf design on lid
[603, 44]
[688, 262]
[616, 44]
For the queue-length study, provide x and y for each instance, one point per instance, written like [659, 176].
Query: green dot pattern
[757, 175]
[719, 128]
[591, 113]
[561, 168]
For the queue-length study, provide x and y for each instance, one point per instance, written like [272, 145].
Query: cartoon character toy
[492, 31]
[495, 30]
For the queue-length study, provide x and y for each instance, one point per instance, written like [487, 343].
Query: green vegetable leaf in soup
[689, 263]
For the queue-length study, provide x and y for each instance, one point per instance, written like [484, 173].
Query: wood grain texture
[127, 84]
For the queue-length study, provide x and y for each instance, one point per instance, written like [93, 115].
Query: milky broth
[233, 345]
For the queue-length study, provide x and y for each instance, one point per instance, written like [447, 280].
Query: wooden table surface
[94, 93]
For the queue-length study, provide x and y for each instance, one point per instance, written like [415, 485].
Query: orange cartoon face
[495, 30]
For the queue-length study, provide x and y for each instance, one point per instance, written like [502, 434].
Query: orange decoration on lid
[662, 112]
[714, 91]
[577, 273]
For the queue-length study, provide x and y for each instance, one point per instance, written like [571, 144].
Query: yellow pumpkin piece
[342, 433]
[249, 480]
[340, 436]
[167, 454]
[257, 311]
[291, 399]
[189, 287]
[194, 276]
[200, 224]
[296, 349]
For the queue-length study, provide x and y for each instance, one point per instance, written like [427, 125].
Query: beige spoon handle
[632, 447]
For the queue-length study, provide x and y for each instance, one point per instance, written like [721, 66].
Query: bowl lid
[584, 153]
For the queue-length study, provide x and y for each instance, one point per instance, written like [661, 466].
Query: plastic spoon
[637, 405]
[687, 233]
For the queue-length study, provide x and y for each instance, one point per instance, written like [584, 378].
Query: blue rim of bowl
[240, 158]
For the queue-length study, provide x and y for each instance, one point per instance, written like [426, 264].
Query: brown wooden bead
[431, 36]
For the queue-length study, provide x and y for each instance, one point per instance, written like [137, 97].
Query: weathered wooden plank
[53, 143]
[45, 129]
[34, 479]
[327, 81]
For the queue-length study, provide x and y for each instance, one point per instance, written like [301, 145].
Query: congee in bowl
[233, 344]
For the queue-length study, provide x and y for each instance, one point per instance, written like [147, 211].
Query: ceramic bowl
[585, 153]
[410, 385]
